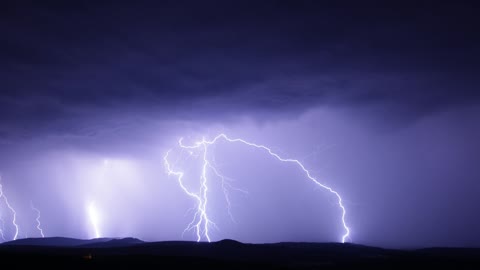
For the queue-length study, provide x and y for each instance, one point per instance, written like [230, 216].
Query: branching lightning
[201, 221]
[14, 213]
[225, 188]
[201, 213]
[39, 225]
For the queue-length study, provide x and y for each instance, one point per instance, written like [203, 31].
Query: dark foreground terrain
[131, 253]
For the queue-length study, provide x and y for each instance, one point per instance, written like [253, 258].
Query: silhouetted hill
[228, 242]
[54, 242]
[122, 242]
[130, 253]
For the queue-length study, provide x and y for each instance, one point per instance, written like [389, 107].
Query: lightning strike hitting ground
[14, 213]
[201, 212]
[93, 214]
[39, 225]
[201, 222]
[2, 227]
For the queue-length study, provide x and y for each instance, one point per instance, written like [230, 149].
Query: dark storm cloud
[94, 86]
[63, 63]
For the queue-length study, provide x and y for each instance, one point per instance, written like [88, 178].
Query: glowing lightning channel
[14, 221]
[201, 213]
[202, 224]
[2, 228]
[92, 212]
[225, 186]
[39, 225]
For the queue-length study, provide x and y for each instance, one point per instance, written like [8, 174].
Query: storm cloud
[379, 101]
[63, 63]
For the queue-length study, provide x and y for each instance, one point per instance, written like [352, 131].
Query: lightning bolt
[93, 213]
[39, 225]
[14, 221]
[201, 221]
[200, 216]
[2, 228]
[225, 188]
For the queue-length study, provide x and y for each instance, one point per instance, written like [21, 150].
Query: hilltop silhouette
[61, 252]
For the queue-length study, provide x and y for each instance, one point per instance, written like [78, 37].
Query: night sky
[379, 101]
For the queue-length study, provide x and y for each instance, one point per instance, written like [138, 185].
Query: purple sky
[380, 103]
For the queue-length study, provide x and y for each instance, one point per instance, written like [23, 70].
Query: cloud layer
[69, 65]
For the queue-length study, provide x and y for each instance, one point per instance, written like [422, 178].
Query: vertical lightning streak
[92, 212]
[225, 186]
[14, 221]
[39, 225]
[2, 228]
[179, 176]
[205, 190]
[202, 202]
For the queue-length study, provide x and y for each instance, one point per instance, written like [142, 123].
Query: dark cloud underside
[62, 62]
